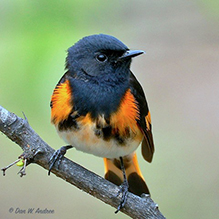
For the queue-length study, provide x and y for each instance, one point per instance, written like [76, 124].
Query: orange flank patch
[148, 120]
[61, 102]
[126, 115]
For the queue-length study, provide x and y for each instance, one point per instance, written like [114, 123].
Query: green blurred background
[179, 74]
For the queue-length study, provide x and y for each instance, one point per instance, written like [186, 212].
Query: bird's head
[98, 57]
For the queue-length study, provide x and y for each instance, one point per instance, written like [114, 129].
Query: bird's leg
[123, 188]
[57, 156]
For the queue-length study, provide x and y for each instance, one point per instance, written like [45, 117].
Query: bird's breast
[101, 138]
[105, 126]
[108, 136]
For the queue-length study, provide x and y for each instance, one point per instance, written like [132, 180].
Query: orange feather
[61, 102]
[126, 115]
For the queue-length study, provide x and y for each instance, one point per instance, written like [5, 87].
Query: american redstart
[99, 107]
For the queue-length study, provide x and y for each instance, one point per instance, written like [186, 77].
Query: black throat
[97, 97]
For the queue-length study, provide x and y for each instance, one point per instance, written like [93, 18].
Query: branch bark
[39, 152]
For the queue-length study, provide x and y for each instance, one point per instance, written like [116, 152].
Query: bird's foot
[124, 191]
[57, 156]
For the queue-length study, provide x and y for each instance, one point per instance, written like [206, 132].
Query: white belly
[85, 140]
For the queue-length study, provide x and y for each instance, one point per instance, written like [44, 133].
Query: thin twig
[10, 165]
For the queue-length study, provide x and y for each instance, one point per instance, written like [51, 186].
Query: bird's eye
[101, 57]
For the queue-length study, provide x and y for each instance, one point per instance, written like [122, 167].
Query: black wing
[144, 122]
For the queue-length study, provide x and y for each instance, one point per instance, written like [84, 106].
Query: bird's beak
[130, 54]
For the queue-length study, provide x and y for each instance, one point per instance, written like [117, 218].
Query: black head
[100, 57]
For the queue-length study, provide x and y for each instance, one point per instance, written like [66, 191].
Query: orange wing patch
[148, 120]
[61, 102]
[126, 115]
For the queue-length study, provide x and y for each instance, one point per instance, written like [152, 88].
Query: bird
[99, 107]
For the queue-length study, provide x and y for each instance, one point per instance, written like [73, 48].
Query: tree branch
[39, 152]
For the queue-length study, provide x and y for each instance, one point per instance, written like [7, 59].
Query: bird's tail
[136, 181]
